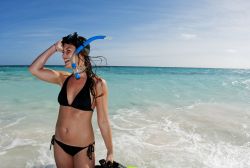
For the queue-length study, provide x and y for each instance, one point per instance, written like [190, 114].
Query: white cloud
[231, 50]
[187, 36]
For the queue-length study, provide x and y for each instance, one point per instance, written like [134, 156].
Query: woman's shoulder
[99, 80]
[100, 86]
[63, 75]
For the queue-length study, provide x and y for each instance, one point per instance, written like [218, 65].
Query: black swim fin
[109, 164]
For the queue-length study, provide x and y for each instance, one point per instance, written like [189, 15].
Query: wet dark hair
[76, 41]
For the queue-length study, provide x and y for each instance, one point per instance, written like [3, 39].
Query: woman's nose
[64, 55]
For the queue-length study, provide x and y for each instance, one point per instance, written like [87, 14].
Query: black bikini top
[82, 100]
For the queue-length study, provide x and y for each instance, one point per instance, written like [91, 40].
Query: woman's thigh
[63, 160]
[81, 160]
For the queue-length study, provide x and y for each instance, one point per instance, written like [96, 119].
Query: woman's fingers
[59, 46]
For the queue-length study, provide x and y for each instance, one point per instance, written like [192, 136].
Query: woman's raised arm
[37, 67]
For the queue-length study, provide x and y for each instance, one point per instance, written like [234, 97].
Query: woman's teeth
[66, 61]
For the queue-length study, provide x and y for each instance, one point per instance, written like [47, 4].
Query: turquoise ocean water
[160, 117]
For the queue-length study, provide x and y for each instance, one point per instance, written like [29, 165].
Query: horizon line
[137, 66]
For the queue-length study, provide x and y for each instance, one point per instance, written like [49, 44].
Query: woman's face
[68, 50]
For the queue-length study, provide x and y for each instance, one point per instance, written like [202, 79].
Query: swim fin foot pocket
[104, 164]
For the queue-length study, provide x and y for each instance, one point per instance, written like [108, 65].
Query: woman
[74, 137]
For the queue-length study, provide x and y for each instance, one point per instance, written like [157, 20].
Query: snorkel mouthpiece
[75, 68]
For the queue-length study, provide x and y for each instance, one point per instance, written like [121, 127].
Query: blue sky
[180, 33]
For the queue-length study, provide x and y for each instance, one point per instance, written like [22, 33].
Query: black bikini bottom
[72, 150]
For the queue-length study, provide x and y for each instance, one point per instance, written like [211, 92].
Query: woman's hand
[58, 46]
[109, 157]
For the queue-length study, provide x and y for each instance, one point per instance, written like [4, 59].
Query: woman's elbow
[33, 70]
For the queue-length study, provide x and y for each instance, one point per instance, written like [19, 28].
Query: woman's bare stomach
[74, 127]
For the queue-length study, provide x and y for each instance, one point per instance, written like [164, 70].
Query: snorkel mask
[79, 48]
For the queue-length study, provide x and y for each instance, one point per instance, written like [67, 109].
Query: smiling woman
[74, 137]
[71, 53]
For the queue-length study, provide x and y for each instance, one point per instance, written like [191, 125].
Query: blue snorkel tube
[76, 70]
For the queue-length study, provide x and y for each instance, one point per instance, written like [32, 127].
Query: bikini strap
[91, 149]
[52, 141]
